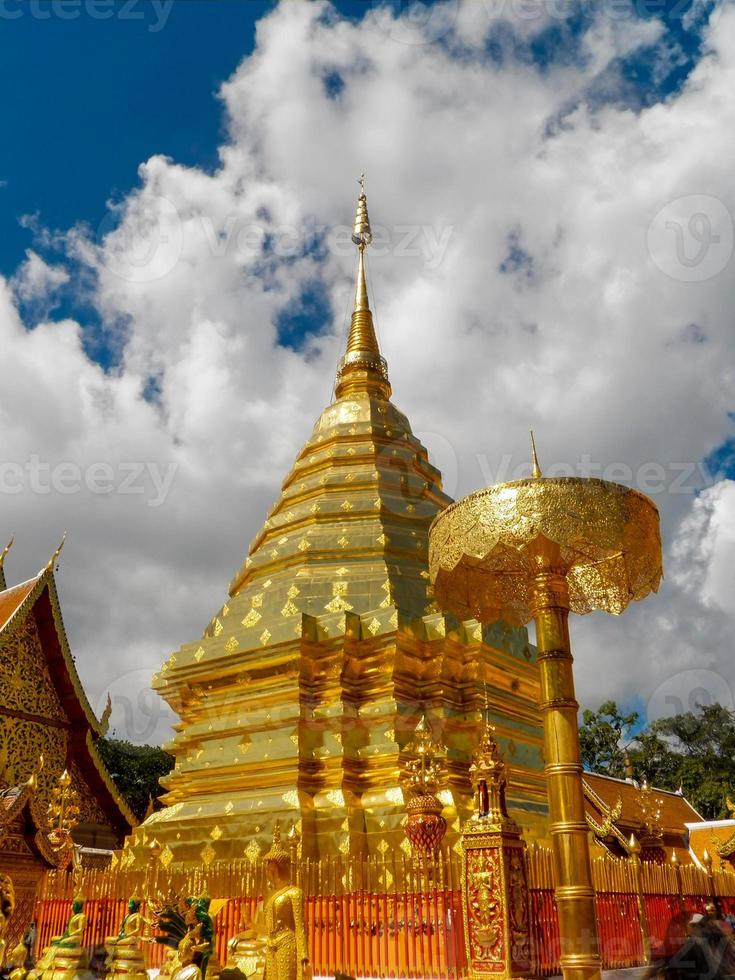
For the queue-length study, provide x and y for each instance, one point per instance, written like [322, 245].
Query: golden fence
[383, 916]
[393, 916]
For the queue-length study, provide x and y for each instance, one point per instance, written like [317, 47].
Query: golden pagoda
[296, 703]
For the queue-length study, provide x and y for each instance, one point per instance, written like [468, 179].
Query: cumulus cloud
[36, 280]
[546, 256]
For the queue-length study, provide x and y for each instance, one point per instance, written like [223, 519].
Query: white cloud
[546, 309]
[36, 280]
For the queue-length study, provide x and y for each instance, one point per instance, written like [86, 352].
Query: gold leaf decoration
[231, 645]
[337, 604]
[291, 798]
[166, 856]
[199, 654]
[252, 618]
[216, 832]
[373, 626]
[252, 851]
[265, 636]
[218, 627]
[290, 609]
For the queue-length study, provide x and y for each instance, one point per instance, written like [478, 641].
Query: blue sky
[94, 96]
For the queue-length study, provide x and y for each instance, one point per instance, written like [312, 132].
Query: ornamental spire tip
[535, 468]
[362, 368]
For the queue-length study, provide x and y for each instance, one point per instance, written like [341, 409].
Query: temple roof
[676, 810]
[714, 839]
[37, 600]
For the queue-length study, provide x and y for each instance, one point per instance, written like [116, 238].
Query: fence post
[707, 862]
[635, 859]
[677, 877]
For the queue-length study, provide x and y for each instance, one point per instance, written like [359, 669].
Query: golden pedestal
[126, 963]
[245, 957]
[495, 905]
[538, 549]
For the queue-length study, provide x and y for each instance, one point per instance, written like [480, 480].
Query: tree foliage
[692, 751]
[136, 770]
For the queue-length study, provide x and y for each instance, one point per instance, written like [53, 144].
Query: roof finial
[6, 549]
[362, 368]
[53, 559]
[536, 469]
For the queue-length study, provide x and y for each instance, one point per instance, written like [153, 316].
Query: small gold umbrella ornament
[538, 549]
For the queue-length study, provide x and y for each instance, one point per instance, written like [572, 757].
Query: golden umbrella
[536, 549]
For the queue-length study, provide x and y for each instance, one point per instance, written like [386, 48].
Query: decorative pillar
[422, 774]
[676, 865]
[494, 876]
[634, 850]
[712, 906]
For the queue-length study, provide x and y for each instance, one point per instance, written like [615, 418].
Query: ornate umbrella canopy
[485, 550]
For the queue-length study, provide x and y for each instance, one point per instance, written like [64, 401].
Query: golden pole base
[575, 895]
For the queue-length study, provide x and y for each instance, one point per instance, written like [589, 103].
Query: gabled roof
[39, 597]
[676, 810]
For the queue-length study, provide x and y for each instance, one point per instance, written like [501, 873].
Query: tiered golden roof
[296, 701]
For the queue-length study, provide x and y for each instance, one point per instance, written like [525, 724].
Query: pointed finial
[362, 368]
[362, 235]
[6, 549]
[105, 719]
[536, 469]
[674, 857]
[53, 559]
[633, 846]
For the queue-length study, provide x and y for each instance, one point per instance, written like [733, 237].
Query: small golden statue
[287, 956]
[64, 958]
[125, 957]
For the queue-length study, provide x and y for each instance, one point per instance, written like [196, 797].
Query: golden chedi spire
[291, 703]
[362, 368]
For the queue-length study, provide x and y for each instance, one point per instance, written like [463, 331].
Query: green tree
[136, 770]
[703, 743]
[601, 735]
[693, 750]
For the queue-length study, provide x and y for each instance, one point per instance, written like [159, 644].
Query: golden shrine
[297, 702]
[46, 728]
